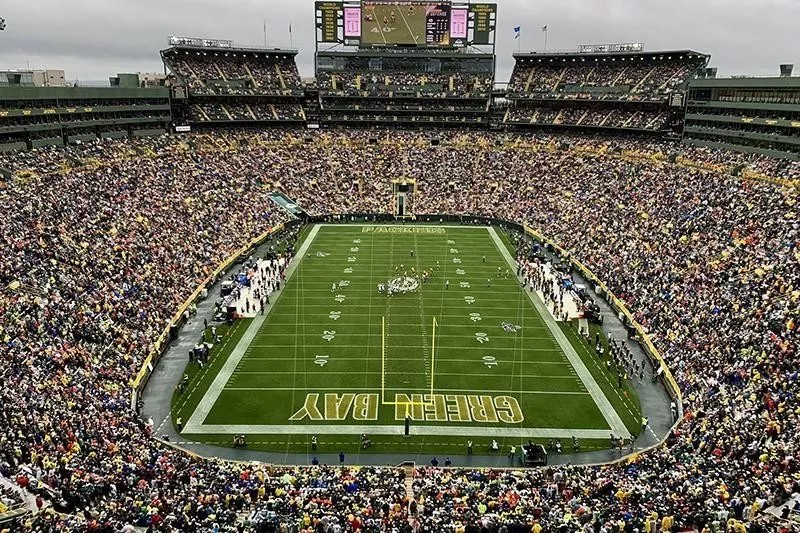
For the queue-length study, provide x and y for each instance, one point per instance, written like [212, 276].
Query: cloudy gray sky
[92, 39]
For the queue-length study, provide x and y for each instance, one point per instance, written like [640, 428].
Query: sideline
[608, 411]
[195, 422]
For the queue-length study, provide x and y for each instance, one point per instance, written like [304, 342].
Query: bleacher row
[582, 116]
[216, 73]
[421, 84]
[632, 80]
[228, 111]
[607, 91]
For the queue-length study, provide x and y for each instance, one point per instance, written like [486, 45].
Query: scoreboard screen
[407, 23]
[423, 23]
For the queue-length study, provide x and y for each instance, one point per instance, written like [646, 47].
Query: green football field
[403, 26]
[458, 347]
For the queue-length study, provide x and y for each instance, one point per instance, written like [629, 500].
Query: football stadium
[401, 294]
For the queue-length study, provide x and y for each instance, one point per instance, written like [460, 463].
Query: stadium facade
[756, 115]
[31, 116]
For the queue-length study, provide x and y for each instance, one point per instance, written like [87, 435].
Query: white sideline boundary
[195, 422]
[607, 410]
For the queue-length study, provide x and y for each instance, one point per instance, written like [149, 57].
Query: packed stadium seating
[609, 117]
[386, 80]
[614, 83]
[101, 254]
[245, 112]
[237, 85]
[383, 84]
[637, 78]
[234, 71]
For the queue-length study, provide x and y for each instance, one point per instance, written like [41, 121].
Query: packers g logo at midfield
[401, 285]
[418, 407]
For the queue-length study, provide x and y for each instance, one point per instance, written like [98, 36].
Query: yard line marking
[410, 33]
[208, 400]
[609, 413]
[378, 24]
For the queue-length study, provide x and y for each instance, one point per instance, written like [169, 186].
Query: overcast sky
[92, 39]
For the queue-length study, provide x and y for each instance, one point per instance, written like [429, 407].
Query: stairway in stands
[409, 470]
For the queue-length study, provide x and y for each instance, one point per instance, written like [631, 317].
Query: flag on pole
[517, 30]
[544, 28]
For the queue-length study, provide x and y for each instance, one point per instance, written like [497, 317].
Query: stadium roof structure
[574, 54]
[234, 50]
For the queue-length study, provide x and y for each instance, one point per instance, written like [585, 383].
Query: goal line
[407, 404]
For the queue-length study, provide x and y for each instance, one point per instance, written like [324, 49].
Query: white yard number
[356, 241]
[464, 285]
[454, 250]
[475, 317]
[351, 259]
[481, 337]
[340, 298]
[469, 300]
[328, 335]
[489, 361]
[335, 315]
[354, 249]
[451, 242]
[321, 360]
[456, 261]
[344, 283]
[348, 270]
[460, 272]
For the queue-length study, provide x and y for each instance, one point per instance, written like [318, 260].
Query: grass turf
[284, 362]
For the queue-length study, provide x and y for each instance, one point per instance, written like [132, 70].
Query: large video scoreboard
[422, 23]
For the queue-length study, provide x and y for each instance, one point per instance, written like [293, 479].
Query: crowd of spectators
[432, 85]
[603, 79]
[9, 499]
[100, 255]
[611, 117]
[236, 72]
[246, 111]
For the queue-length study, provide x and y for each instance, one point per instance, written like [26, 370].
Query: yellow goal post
[409, 404]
